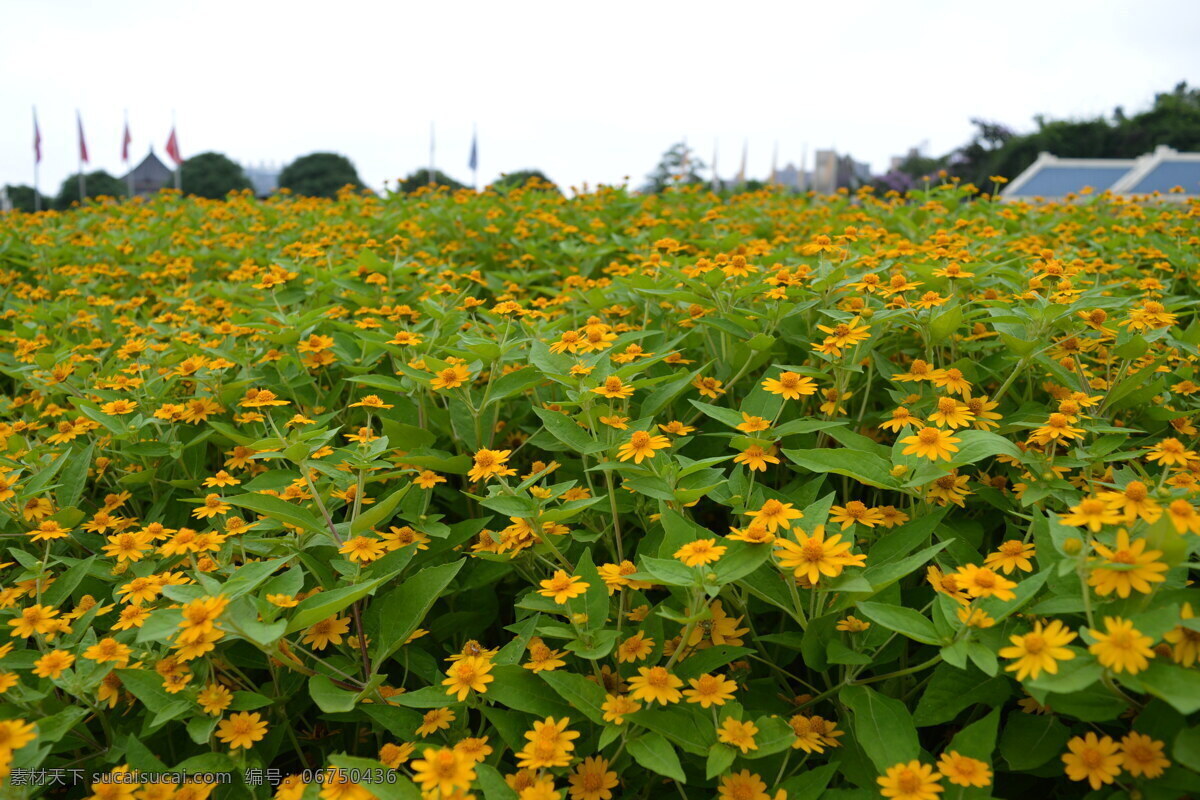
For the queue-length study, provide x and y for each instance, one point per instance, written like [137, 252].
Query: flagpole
[37, 158]
[179, 166]
[431, 154]
[82, 180]
[474, 158]
[125, 154]
[716, 180]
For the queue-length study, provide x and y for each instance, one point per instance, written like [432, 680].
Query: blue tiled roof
[1168, 175]
[1056, 181]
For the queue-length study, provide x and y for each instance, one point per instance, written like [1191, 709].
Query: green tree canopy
[22, 198]
[99, 183]
[319, 175]
[212, 175]
[418, 178]
[521, 180]
[678, 166]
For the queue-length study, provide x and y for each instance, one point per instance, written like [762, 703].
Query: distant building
[832, 172]
[792, 177]
[264, 178]
[149, 176]
[1164, 169]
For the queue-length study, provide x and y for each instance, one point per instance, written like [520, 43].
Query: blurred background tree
[420, 177]
[22, 196]
[519, 179]
[99, 184]
[212, 175]
[319, 175]
[679, 166]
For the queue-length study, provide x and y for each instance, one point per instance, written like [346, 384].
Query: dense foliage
[212, 175]
[96, 184]
[500, 496]
[319, 175]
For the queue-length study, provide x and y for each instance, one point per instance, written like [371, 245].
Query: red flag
[125, 143]
[37, 141]
[173, 147]
[83, 154]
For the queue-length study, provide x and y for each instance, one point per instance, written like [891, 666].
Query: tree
[212, 175]
[678, 167]
[521, 180]
[319, 175]
[22, 198]
[99, 184]
[420, 177]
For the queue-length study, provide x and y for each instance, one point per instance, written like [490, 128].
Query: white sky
[586, 92]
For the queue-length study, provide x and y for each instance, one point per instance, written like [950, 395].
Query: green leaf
[521, 690]
[1030, 740]
[1176, 685]
[281, 510]
[950, 690]
[247, 578]
[810, 784]
[720, 757]
[401, 610]
[906, 621]
[686, 727]
[882, 725]
[655, 753]
[491, 782]
[61, 589]
[74, 476]
[741, 559]
[383, 783]
[708, 659]
[1074, 675]
[379, 513]
[328, 697]
[148, 687]
[978, 445]
[978, 739]
[580, 693]
[567, 431]
[864, 467]
[325, 604]
[1185, 751]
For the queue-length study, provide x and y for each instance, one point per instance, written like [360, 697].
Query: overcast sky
[587, 92]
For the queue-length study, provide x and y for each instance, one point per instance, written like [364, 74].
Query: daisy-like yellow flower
[1134, 502]
[931, 443]
[434, 720]
[241, 730]
[710, 690]
[676, 428]
[592, 779]
[855, 512]
[1143, 755]
[981, 408]
[901, 418]
[617, 706]
[655, 685]
[562, 587]
[1057, 427]
[362, 549]
[790, 385]
[810, 557]
[709, 387]
[614, 388]
[1183, 516]
[470, 674]
[1039, 650]
[443, 771]
[490, 463]
[635, 648]
[1092, 513]
[983, 582]
[550, 744]
[641, 445]
[739, 734]
[756, 458]
[744, 785]
[752, 424]
[1170, 452]
[214, 699]
[119, 408]
[326, 632]
[1121, 647]
[451, 377]
[950, 413]
[1013, 554]
[911, 781]
[53, 664]
[1184, 641]
[964, 771]
[1127, 567]
[775, 514]
[700, 552]
[1091, 758]
[852, 624]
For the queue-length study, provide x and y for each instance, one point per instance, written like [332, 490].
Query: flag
[173, 147]
[37, 140]
[83, 154]
[741, 176]
[473, 161]
[125, 141]
[774, 162]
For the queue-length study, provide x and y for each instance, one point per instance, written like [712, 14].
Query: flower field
[520, 496]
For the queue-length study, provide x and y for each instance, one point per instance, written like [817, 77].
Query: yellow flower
[1121, 647]
[436, 719]
[790, 385]
[443, 770]
[614, 388]
[1185, 642]
[775, 514]
[641, 445]
[241, 730]
[549, 744]
[53, 664]
[911, 781]
[371, 401]
[813, 556]
[1093, 759]
[214, 699]
[592, 779]
[1129, 567]
[700, 552]
[327, 631]
[451, 377]
[1040, 649]
[1093, 513]
[963, 771]
[467, 675]
[1013, 554]
[744, 785]
[655, 685]
[710, 690]
[616, 707]
[756, 458]
[562, 587]
[931, 443]
[1143, 755]
[983, 582]
[738, 734]
[951, 414]
[855, 511]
